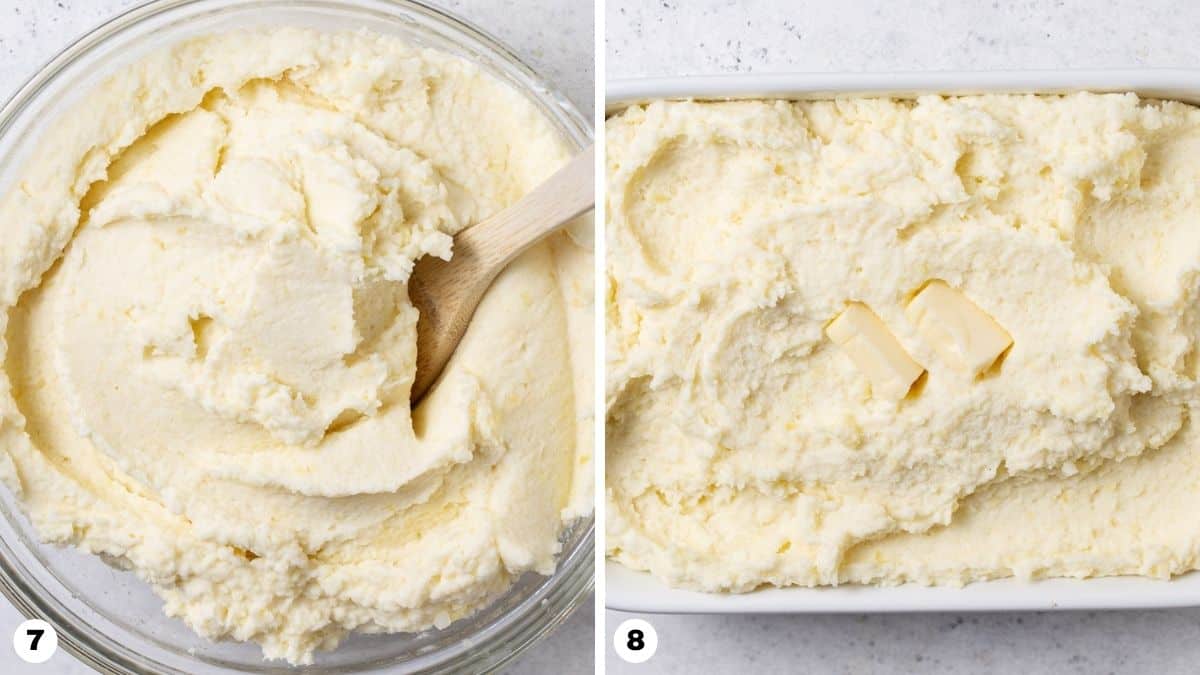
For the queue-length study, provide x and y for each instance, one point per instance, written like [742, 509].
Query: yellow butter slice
[963, 334]
[864, 337]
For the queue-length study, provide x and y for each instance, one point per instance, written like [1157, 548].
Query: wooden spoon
[447, 292]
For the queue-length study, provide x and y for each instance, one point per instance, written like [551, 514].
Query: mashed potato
[751, 440]
[208, 344]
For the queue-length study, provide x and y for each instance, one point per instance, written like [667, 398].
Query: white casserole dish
[632, 591]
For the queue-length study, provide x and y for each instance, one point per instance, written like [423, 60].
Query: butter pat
[963, 334]
[876, 352]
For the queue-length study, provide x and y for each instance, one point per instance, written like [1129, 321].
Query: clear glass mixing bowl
[108, 618]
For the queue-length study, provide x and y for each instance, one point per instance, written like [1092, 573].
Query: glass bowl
[109, 618]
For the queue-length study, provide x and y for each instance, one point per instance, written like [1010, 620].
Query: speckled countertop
[677, 37]
[553, 36]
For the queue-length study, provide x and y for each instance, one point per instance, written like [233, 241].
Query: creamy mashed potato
[208, 344]
[745, 447]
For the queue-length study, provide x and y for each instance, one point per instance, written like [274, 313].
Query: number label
[635, 641]
[35, 641]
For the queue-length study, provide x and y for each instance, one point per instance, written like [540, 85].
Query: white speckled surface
[677, 37]
[553, 36]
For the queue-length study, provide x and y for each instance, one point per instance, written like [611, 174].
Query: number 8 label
[635, 640]
[35, 641]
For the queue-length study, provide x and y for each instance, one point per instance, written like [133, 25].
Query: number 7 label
[35, 641]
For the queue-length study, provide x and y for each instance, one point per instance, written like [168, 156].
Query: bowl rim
[518, 628]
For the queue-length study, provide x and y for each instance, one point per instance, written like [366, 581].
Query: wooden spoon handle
[446, 292]
[565, 195]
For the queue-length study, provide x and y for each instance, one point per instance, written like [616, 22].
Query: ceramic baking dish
[639, 592]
